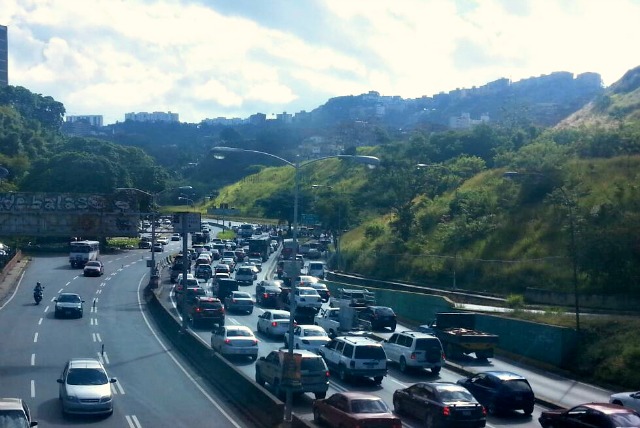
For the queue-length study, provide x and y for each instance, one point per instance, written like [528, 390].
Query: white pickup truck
[339, 321]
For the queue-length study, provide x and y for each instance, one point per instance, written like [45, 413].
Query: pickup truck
[338, 321]
[352, 297]
[302, 314]
[456, 331]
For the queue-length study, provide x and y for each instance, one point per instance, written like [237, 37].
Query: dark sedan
[440, 404]
[267, 294]
[501, 390]
[590, 415]
[68, 305]
[379, 317]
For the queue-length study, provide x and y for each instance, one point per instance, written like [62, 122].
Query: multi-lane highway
[555, 389]
[155, 387]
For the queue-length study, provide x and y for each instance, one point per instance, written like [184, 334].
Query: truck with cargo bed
[458, 334]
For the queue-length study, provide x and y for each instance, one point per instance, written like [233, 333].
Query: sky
[234, 58]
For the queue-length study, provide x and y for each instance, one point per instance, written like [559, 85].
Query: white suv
[414, 349]
[353, 356]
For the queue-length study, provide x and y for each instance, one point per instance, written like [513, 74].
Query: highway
[155, 387]
[554, 388]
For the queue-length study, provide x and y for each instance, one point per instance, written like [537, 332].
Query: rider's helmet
[37, 284]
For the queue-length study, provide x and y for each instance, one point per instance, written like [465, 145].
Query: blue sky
[219, 58]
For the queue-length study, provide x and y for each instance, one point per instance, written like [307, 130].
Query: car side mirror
[113, 380]
[59, 381]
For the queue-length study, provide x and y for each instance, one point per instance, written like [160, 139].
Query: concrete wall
[540, 342]
[592, 301]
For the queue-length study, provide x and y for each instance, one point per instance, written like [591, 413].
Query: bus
[82, 252]
[260, 245]
[288, 249]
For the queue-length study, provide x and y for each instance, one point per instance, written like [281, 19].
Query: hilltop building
[156, 116]
[91, 119]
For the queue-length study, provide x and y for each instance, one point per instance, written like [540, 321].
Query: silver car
[274, 322]
[309, 337]
[235, 340]
[85, 388]
[239, 301]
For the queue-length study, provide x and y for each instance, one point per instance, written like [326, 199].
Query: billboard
[68, 214]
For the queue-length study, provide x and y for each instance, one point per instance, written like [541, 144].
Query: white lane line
[35, 338]
[46, 309]
[40, 321]
[33, 388]
[94, 321]
[103, 357]
[117, 388]
[15, 290]
[169, 353]
[98, 291]
[96, 337]
[234, 321]
[33, 359]
[399, 383]
[102, 284]
[133, 421]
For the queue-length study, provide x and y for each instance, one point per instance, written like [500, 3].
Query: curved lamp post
[569, 203]
[370, 161]
[153, 197]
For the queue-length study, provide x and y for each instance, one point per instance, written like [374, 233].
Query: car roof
[607, 408]
[84, 363]
[504, 375]
[279, 312]
[237, 328]
[11, 404]
[443, 385]
[304, 353]
[356, 395]
[68, 294]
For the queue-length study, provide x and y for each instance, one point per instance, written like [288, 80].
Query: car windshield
[280, 316]
[238, 333]
[517, 385]
[315, 332]
[93, 264]
[369, 406]
[370, 352]
[625, 420]
[310, 292]
[384, 311]
[455, 395]
[426, 344]
[13, 419]
[241, 295]
[313, 364]
[210, 305]
[86, 376]
[69, 298]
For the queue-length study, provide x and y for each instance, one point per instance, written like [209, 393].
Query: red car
[590, 415]
[354, 409]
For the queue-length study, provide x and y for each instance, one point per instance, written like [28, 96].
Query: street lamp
[569, 203]
[153, 196]
[370, 161]
[184, 198]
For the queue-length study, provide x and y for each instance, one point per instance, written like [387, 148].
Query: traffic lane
[48, 409]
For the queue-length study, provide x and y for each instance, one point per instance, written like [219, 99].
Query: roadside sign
[192, 222]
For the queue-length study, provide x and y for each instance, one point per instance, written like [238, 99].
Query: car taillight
[484, 411]
[443, 356]
[413, 356]
[274, 324]
[255, 342]
[198, 309]
[233, 300]
[446, 411]
[265, 295]
[227, 341]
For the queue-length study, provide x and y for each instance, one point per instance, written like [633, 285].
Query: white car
[627, 399]
[235, 340]
[162, 240]
[307, 297]
[309, 337]
[274, 322]
[85, 388]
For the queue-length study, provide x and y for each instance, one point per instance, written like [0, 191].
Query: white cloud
[115, 56]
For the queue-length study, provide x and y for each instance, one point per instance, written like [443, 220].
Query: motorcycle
[37, 296]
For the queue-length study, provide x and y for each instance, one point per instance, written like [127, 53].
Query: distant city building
[284, 117]
[156, 116]
[464, 121]
[91, 119]
[4, 56]
[257, 119]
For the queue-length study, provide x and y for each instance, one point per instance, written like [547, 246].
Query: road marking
[102, 284]
[96, 337]
[103, 357]
[35, 337]
[33, 388]
[169, 353]
[33, 359]
[399, 383]
[117, 388]
[133, 421]
[98, 291]
[46, 309]
[94, 321]
[40, 321]
[234, 321]
[75, 277]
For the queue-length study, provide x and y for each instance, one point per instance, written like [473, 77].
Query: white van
[316, 269]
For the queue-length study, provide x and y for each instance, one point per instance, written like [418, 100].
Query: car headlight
[105, 398]
[72, 398]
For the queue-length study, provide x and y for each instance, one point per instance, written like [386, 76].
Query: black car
[267, 293]
[501, 390]
[204, 309]
[68, 305]
[379, 317]
[440, 404]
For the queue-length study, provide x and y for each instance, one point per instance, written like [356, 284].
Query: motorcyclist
[38, 288]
